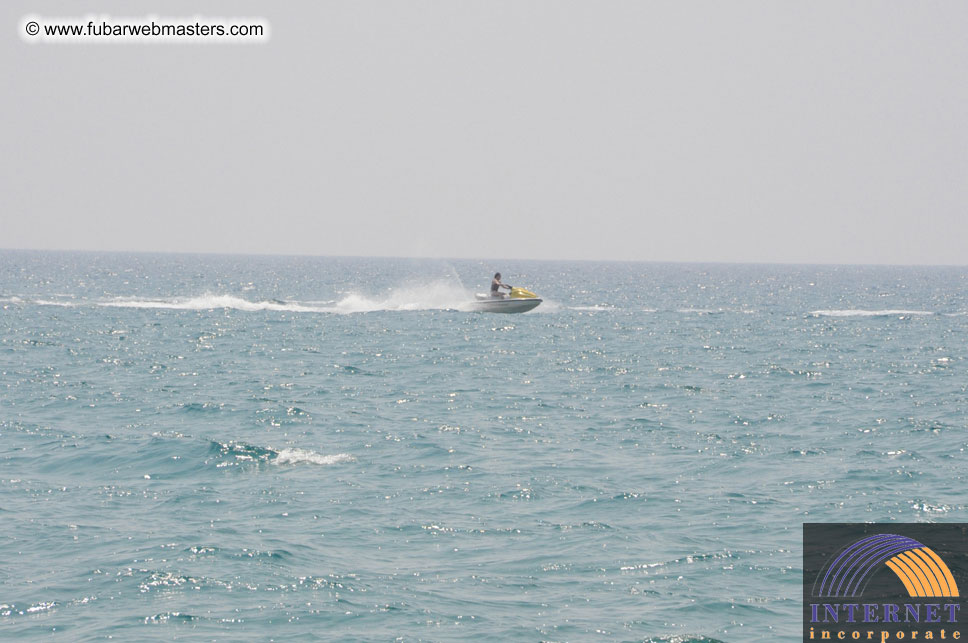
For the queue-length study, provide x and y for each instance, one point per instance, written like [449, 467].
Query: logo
[896, 582]
[921, 571]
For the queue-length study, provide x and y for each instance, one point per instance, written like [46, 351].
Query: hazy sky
[683, 130]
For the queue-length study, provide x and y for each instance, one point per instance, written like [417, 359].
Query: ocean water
[295, 448]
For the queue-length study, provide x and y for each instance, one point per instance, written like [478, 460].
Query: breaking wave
[439, 295]
[433, 296]
[235, 453]
[305, 456]
[211, 302]
[868, 313]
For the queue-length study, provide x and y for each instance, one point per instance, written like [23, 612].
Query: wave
[305, 456]
[234, 453]
[40, 302]
[212, 302]
[547, 306]
[433, 296]
[854, 312]
[438, 295]
[590, 308]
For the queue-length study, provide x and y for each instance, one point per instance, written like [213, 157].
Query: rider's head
[497, 275]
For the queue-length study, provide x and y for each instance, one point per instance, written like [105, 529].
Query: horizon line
[488, 259]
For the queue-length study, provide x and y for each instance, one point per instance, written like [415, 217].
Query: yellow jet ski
[519, 301]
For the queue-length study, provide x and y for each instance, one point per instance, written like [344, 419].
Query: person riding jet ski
[497, 284]
[519, 301]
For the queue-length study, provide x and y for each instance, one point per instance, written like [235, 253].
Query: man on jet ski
[496, 284]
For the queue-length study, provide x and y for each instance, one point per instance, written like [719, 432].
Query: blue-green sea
[209, 447]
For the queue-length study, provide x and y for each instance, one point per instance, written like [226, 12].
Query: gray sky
[684, 131]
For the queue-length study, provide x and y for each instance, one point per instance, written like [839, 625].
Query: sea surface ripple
[309, 448]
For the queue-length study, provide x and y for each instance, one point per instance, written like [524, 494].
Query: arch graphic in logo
[922, 571]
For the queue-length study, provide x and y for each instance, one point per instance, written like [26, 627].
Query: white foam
[433, 296]
[437, 295]
[591, 308]
[305, 456]
[211, 302]
[867, 313]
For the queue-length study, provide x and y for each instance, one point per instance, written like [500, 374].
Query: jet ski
[519, 301]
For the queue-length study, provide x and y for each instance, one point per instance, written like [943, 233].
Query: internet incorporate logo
[922, 571]
[864, 584]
